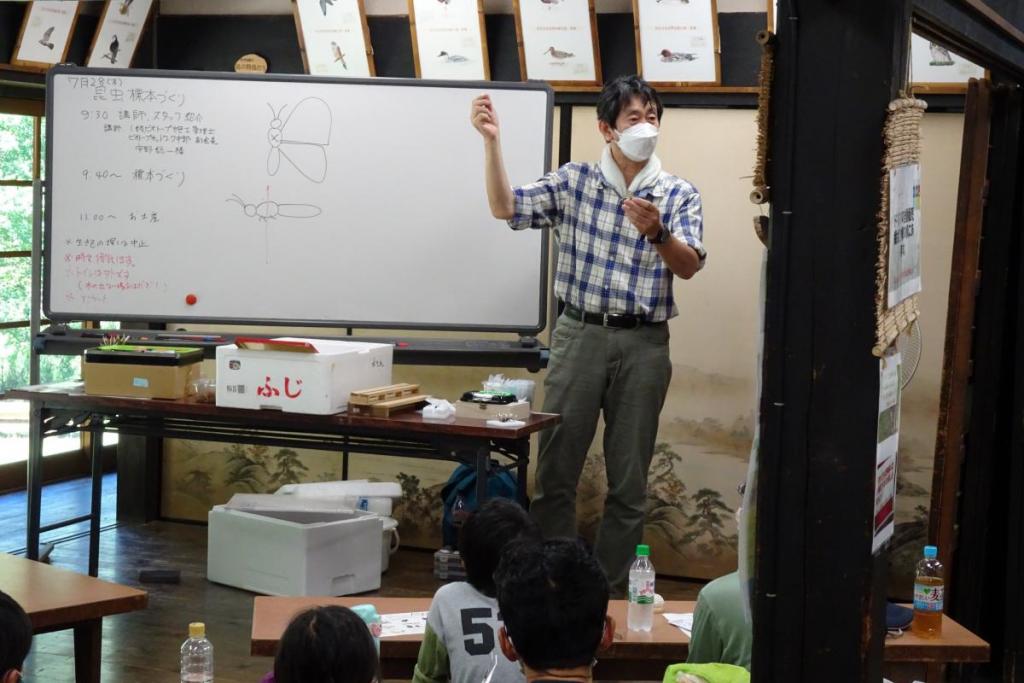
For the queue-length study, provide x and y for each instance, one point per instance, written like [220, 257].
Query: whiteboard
[304, 200]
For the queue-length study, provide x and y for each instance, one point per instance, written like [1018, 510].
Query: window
[21, 162]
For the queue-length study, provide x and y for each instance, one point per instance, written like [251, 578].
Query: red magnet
[191, 299]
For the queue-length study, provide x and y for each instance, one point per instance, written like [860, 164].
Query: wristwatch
[661, 237]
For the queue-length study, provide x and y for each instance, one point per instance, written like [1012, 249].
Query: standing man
[625, 230]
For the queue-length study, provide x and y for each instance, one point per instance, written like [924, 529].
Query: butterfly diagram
[300, 137]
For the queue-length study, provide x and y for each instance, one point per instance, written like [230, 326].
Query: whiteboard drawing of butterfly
[301, 137]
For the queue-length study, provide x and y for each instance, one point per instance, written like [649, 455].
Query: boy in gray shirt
[461, 641]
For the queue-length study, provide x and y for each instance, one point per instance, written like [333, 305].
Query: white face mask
[638, 142]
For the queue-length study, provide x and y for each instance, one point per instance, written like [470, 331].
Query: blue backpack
[459, 497]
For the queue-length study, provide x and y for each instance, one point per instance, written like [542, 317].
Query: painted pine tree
[289, 468]
[247, 469]
[707, 523]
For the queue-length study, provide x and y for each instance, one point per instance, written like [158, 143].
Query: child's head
[553, 598]
[327, 645]
[15, 638]
[485, 533]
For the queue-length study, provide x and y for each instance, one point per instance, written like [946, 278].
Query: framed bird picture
[448, 39]
[677, 42]
[558, 42]
[117, 37]
[334, 38]
[45, 34]
[937, 70]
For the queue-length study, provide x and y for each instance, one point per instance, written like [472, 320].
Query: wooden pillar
[985, 595]
[819, 593]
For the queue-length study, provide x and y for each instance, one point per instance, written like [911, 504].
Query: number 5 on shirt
[470, 627]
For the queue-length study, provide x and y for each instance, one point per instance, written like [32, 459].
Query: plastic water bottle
[929, 587]
[640, 616]
[197, 656]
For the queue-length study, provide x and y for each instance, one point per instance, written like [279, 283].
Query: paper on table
[403, 624]
[682, 621]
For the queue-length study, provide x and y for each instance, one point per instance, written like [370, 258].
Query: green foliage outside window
[15, 272]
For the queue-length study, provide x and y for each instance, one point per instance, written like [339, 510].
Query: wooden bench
[57, 599]
[633, 656]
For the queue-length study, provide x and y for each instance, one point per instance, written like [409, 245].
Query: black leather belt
[617, 320]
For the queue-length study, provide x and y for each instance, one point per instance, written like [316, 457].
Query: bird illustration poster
[45, 33]
[933, 65]
[335, 38]
[117, 37]
[558, 41]
[677, 41]
[448, 39]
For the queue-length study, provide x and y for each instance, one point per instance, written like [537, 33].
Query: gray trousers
[624, 374]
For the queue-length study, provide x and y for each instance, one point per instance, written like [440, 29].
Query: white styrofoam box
[350, 487]
[371, 496]
[318, 383]
[268, 501]
[295, 552]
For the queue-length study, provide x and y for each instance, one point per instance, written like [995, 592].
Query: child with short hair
[460, 643]
[554, 600]
[15, 638]
[328, 645]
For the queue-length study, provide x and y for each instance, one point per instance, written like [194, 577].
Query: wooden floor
[143, 646]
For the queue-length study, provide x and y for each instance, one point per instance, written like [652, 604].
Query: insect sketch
[301, 137]
[268, 210]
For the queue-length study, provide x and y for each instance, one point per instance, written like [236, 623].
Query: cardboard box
[318, 381]
[519, 410]
[295, 552]
[140, 371]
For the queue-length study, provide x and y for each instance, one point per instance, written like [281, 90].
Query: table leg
[88, 637]
[483, 456]
[344, 460]
[523, 470]
[34, 485]
[96, 432]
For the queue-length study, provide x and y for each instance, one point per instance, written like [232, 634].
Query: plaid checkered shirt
[604, 264]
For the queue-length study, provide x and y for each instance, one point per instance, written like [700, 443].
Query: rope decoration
[902, 134]
[766, 39]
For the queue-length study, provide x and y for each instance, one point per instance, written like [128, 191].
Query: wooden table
[64, 408]
[632, 656]
[57, 599]
[912, 658]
